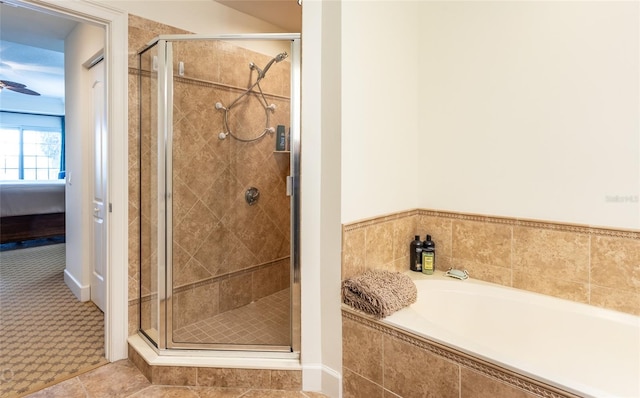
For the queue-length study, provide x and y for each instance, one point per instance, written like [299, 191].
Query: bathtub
[585, 350]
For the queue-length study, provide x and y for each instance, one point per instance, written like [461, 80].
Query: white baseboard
[82, 293]
[317, 377]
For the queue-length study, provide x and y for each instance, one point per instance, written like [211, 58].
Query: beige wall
[320, 196]
[205, 17]
[81, 44]
[575, 262]
[384, 158]
[517, 109]
[532, 111]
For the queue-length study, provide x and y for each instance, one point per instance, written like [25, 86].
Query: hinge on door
[110, 208]
[289, 185]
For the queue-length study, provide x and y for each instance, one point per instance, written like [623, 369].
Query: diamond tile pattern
[46, 334]
[262, 322]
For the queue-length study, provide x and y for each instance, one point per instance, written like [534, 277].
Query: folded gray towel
[379, 293]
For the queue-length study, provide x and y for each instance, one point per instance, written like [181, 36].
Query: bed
[31, 209]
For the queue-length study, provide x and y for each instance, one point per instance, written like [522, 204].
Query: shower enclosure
[219, 196]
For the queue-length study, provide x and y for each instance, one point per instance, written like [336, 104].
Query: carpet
[46, 334]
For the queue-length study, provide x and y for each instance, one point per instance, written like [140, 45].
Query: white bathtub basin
[583, 349]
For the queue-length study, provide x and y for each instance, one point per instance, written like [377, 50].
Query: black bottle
[415, 254]
[281, 140]
[428, 256]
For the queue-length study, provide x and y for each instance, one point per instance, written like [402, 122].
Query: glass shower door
[230, 217]
[148, 195]
[228, 247]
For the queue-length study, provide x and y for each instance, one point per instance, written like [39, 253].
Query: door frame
[115, 23]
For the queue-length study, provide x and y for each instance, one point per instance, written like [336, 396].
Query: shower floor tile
[263, 322]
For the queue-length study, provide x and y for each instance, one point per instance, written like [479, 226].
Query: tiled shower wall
[590, 265]
[225, 252]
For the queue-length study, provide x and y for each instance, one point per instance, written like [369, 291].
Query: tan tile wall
[218, 377]
[378, 243]
[590, 265]
[379, 361]
[202, 300]
[226, 253]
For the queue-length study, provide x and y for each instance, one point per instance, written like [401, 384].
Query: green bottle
[428, 256]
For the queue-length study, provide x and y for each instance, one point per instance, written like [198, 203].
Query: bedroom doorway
[114, 27]
[34, 287]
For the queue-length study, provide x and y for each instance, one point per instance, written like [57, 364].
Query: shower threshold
[140, 347]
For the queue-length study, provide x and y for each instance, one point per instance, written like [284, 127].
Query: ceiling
[32, 42]
[31, 50]
[286, 14]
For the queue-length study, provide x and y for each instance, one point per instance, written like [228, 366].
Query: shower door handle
[289, 185]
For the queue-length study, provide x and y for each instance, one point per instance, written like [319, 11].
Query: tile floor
[265, 321]
[123, 380]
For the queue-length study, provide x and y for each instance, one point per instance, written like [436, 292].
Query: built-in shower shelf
[281, 151]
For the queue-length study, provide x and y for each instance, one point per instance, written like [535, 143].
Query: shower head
[278, 58]
[281, 56]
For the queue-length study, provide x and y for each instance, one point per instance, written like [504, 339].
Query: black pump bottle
[415, 255]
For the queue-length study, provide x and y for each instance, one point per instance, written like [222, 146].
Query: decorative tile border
[486, 368]
[144, 299]
[203, 83]
[557, 226]
[217, 278]
[207, 281]
[616, 233]
[379, 220]
[206, 83]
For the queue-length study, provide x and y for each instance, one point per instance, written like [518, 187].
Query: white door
[99, 272]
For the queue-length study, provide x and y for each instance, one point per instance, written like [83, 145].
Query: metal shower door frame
[165, 342]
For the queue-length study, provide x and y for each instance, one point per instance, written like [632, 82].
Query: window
[31, 146]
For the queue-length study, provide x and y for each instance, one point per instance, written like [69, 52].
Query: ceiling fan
[17, 87]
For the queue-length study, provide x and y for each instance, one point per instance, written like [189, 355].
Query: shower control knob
[252, 195]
